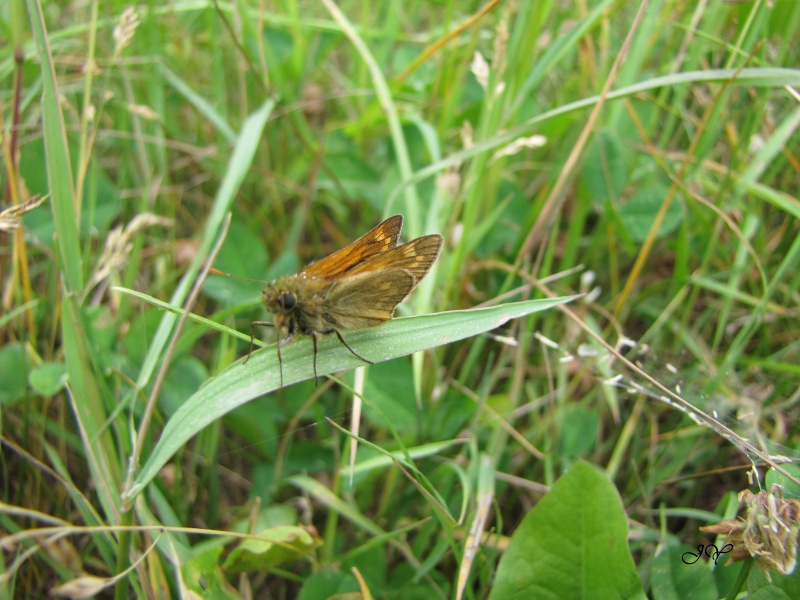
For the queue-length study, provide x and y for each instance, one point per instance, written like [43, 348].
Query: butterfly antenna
[218, 272]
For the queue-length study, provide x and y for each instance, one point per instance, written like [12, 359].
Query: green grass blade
[179, 311]
[90, 412]
[201, 104]
[753, 77]
[59, 172]
[241, 383]
[241, 159]
[386, 458]
[87, 397]
[382, 91]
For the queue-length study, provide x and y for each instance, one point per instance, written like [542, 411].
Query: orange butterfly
[357, 287]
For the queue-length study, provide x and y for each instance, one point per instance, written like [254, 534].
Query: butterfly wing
[366, 299]
[373, 243]
[416, 257]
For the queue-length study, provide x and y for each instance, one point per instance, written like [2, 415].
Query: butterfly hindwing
[366, 299]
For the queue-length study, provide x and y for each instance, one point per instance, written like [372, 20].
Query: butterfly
[356, 287]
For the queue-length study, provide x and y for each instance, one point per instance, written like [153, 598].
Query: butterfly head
[280, 300]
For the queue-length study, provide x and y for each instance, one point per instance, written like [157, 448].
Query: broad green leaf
[579, 429]
[640, 211]
[673, 579]
[327, 584]
[572, 544]
[605, 169]
[241, 382]
[203, 575]
[276, 546]
[773, 586]
[13, 373]
[790, 489]
[48, 378]
[185, 376]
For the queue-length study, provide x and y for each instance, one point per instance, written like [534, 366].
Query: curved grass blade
[241, 383]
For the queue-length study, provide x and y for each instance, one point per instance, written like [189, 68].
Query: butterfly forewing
[373, 243]
[367, 299]
[416, 257]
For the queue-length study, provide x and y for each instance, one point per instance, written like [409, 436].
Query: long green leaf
[59, 171]
[200, 103]
[384, 95]
[242, 157]
[241, 383]
[90, 411]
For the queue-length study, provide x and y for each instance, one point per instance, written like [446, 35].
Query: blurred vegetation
[642, 154]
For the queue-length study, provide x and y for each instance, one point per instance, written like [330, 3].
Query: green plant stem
[740, 581]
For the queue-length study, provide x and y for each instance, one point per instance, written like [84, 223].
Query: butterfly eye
[288, 300]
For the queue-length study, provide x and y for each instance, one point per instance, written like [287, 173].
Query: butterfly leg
[278, 346]
[253, 335]
[280, 342]
[353, 352]
[280, 361]
[314, 339]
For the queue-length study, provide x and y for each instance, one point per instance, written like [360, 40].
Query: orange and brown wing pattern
[416, 257]
[382, 238]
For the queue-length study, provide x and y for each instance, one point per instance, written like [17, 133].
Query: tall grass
[640, 156]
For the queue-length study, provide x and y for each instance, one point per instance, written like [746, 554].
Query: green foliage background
[642, 154]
